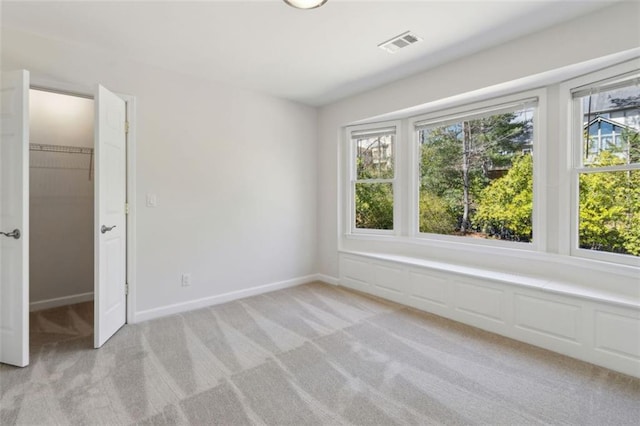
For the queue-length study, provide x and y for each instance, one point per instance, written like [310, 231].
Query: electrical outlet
[186, 280]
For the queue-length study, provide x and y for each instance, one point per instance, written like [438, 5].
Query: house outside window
[603, 135]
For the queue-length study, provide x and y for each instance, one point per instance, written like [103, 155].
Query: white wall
[234, 172]
[556, 47]
[61, 201]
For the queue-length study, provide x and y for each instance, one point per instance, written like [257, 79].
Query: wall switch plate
[186, 280]
[152, 200]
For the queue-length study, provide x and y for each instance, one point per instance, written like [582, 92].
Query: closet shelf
[60, 148]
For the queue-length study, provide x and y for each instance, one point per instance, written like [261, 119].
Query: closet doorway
[113, 223]
[61, 220]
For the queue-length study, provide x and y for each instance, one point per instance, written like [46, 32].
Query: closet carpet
[313, 354]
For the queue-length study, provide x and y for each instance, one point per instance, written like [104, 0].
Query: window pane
[374, 157]
[608, 113]
[374, 205]
[606, 127]
[476, 177]
[610, 212]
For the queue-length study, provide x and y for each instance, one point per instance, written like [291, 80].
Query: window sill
[518, 251]
[564, 288]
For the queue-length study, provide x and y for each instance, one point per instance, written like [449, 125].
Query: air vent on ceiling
[398, 42]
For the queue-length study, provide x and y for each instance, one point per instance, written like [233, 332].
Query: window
[606, 120]
[506, 171]
[476, 173]
[373, 177]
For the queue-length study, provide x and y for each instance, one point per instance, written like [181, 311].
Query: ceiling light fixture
[305, 4]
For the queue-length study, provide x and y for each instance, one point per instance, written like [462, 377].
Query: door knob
[105, 229]
[15, 234]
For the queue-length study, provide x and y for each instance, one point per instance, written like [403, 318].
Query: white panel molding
[327, 279]
[561, 320]
[625, 341]
[480, 299]
[389, 282]
[430, 288]
[60, 301]
[603, 332]
[356, 273]
[218, 299]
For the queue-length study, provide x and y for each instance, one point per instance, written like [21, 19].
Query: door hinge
[126, 289]
[126, 208]
[126, 127]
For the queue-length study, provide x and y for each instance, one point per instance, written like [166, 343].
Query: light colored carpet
[313, 354]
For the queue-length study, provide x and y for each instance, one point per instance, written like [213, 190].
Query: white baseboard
[327, 279]
[60, 301]
[221, 298]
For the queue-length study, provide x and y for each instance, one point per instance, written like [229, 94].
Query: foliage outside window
[609, 168]
[374, 155]
[476, 175]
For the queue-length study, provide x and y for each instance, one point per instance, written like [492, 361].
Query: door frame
[41, 83]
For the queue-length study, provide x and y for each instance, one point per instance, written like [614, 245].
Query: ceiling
[311, 56]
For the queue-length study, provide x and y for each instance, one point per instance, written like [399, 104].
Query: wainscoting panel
[602, 332]
[428, 288]
[617, 338]
[389, 282]
[618, 334]
[548, 318]
[356, 274]
[479, 300]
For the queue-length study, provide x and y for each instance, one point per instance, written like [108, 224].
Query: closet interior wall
[61, 199]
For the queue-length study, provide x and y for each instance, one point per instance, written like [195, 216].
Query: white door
[110, 221]
[14, 219]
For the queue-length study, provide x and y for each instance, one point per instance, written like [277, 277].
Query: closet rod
[60, 148]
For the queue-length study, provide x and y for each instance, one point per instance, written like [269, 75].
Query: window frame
[353, 178]
[475, 110]
[575, 167]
